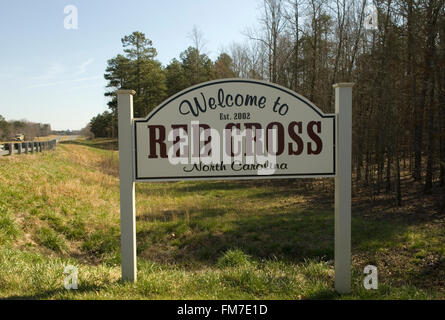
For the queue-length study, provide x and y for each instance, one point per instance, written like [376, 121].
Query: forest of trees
[8, 129]
[397, 62]
[138, 69]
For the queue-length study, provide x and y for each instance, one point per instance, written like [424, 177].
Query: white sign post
[236, 129]
[127, 198]
[343, 109]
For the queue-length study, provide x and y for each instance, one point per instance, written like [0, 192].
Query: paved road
[58, 138]
[67, 138]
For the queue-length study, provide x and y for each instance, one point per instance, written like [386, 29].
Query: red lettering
[314, 136]
[154, 140]
[295, 137]
[280, 138]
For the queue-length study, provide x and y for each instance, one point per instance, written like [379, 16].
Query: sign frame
[342, 173]
[165, 103]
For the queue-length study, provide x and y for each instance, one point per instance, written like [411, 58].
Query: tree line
[138, 68]
[8, 129]
[393, 50]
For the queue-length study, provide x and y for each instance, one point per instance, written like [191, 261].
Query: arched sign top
[241, 81]
[234, 129]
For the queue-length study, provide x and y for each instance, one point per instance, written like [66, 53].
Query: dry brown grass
[80, 155]
[110, 164]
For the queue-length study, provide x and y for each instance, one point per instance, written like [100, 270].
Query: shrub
[234, 258]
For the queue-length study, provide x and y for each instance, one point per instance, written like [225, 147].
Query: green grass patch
[195, 240]
[102, 242]
[234, 258]
[8, 227]
[50, 239]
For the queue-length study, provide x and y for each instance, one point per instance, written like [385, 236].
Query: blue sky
[53, 75]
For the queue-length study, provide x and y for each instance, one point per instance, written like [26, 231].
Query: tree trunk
[397, 184]
[388, 173]
[442, 129]
[429, 76]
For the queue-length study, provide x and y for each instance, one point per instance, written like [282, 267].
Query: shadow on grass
[56, 292]
[220, 185]
[283, 185]
[174, 215]
[291, 234]
[431, 274]
[323, 294]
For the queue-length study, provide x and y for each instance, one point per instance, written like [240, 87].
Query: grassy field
[202, 240]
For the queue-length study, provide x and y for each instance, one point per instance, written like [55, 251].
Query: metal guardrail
[25, 147]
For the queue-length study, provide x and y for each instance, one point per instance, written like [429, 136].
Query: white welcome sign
[236, 129]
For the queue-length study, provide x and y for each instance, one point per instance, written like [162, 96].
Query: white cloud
[58, 74]
[55, 69]
[82, 68]
[86, 78]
